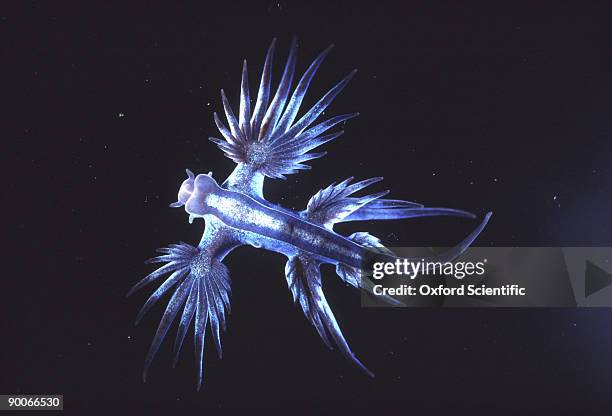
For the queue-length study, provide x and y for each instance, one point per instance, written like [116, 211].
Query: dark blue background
[496, 108]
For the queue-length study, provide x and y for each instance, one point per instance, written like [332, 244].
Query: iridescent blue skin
[269, 143]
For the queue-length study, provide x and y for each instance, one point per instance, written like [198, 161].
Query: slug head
[193, 192]
[185, 190]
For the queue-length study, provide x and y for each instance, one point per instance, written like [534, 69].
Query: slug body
[268, 142]
[262, 225]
